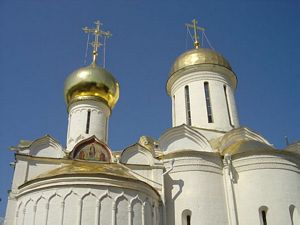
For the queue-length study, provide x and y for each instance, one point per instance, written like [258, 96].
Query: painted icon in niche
[92, 152]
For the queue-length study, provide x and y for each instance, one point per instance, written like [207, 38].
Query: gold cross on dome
[195, 28]
[97, 32]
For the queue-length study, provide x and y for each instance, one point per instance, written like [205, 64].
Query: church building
[204, 170]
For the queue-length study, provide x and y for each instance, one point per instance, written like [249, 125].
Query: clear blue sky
[41, 42]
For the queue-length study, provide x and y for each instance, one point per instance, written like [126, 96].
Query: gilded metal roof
[89, 168]
[92, 82]
[197, 57]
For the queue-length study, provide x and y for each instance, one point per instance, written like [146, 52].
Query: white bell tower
[201, 85]
[91, 92]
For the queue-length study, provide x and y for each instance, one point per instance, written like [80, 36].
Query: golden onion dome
[199, 57]
[92, 82]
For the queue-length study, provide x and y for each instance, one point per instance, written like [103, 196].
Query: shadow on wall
[173, 188]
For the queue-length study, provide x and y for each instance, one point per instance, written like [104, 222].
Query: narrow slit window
[292, 209]
[227, 105]
[187, 106]
[186, 217]
[88, 120]
[188, 220]
[174, 114]
[208, 103]
[264, 217]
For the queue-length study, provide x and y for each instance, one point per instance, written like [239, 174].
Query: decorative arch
[89, 208]
[136, 208]
[105, 202]
[137, 155]
[55, 210]
[121, 206]
[40, 206]
[242, 139]
[70, 205]
[120, 197]
[68, 194]
[136, 199]
[53, 195]
[28, 212]
[91, 149]
[105, 195]
[183, 137]
[89, 193]
[19, 213]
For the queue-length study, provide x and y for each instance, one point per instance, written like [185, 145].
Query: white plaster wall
[233, 108]
[86, 205]
[78, 111]
[27, 170]
[196, 184]
[195, 81]
[270, 181]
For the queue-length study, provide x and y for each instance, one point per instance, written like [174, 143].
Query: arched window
[263, 215]
[292, 209]
[208, 102]
[186, 217]
[88, 119]
[187, 105]
[227, 105]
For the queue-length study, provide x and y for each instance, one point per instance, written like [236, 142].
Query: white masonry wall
[98, 126]
[195, 186]
[268, 182]
[199, 118]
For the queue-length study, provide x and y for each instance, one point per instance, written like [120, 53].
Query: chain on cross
[97, 32]
[195, 28]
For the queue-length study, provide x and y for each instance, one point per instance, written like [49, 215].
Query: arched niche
[92, 149]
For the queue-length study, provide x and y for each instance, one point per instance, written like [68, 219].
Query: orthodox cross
[97, 32]
[195, 28]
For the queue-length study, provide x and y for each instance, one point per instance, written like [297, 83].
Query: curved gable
[91, 149]
[183, 138]
[137, 155]
[43, 147]
[242, 140]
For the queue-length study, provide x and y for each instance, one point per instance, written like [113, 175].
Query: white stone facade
[165, 186]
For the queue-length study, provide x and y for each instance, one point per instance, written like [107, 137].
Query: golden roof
[197, 57]
[92, 82]
[89, 168]
[200, 58]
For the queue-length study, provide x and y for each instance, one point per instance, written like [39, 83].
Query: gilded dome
[92, 82]
[197, 57]
[201, 59]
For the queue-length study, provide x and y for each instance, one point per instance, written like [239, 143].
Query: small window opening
[188, 220]
[186, 217]
[227, 105]
[208, 103]
[263, 215]
[187, 106]
[88, 119]
[292, 209]
[174, 114]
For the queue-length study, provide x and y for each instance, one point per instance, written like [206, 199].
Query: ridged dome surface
[198, 57]
[92, 82]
